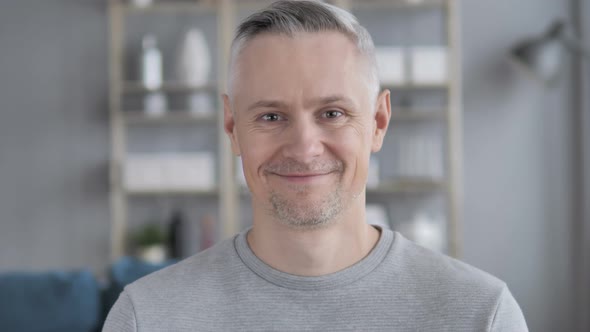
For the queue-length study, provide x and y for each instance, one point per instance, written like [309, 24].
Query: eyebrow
[330, 100]
[267, 104]
[314, 102]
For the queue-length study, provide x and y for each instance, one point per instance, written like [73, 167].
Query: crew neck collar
[324, 282]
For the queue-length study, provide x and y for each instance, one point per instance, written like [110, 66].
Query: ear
[381, 117]
[229, 125]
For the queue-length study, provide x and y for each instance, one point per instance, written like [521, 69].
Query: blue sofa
[64, 301]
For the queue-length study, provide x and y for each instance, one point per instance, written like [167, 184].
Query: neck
[313, 252]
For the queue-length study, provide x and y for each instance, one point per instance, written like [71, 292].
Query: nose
[303, 141]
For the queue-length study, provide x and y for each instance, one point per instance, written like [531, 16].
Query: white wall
[518, 161]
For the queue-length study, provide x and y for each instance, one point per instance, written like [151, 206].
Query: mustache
[293, 166]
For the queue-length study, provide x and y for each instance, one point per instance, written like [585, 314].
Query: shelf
[171, 117]
[164, 192]
[396, 4]
[409, 186]
[172, 7]
[418, 115]
[173, 87]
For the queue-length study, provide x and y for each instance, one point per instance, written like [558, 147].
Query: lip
[302, 178]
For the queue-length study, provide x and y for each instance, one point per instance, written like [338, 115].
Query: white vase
[194, 59]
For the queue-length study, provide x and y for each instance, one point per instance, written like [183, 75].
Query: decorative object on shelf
[170, 172]
[194, 68]
[207, 232]
[175, 235]
[376, 215]
[425, 230]
[142, 173]
[194, 59]
[190, 171]
[391, 62]
[373, 173]
[428, 65]
[419, 156]
[142, 3]
[150, 243]
[151, 63]
[155, 103]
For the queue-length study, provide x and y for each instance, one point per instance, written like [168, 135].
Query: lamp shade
[542, 57]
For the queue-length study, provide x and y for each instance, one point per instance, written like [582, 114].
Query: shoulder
[443, 281]
[187, 287]
[428, 265]
[449, 287]
[199, 270]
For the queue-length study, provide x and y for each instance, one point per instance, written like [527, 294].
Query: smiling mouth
[302, 178]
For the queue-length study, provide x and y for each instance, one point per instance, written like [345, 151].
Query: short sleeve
[121, 318]
[508, 317]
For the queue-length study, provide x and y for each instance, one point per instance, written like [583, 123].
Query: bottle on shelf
[151, 63]
[175, 240]
[155, 103]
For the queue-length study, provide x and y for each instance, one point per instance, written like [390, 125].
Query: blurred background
[113, 163]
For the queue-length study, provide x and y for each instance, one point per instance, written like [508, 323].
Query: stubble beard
[302, 213]
[296, 208]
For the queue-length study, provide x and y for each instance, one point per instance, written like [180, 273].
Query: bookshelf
[228, 193]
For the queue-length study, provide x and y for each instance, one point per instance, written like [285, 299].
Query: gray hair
[288, 17]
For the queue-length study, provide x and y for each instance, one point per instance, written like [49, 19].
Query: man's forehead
[321, 43]
[274, 58]
[299, 69]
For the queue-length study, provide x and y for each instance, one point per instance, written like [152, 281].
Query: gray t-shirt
[399, 286]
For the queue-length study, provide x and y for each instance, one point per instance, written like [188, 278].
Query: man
[304, 112]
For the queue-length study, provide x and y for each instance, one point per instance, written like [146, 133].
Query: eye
[270, 117]
[332, 114]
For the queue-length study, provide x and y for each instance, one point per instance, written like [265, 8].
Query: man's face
[304, 122]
